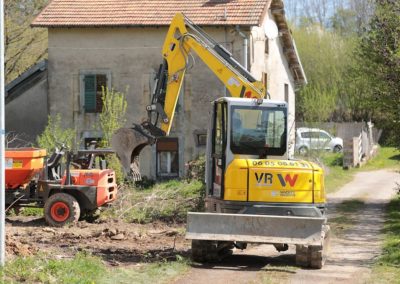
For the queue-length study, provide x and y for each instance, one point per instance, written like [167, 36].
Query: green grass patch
[167, 201]
[84, 268]
[31, 211]
[391, 249]
[388, 157]
[40, 269]
[387, 268]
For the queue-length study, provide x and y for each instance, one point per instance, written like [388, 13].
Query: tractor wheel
[60, 209]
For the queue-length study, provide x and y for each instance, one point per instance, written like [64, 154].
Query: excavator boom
[183, 38]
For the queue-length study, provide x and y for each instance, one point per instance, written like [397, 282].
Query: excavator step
[255, 228]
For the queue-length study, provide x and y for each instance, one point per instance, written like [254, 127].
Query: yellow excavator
[255, 194]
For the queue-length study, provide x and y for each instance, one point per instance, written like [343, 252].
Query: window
[266, 46]
[287, 93]
[200, 137]
[92, 90]
[167, 157]
[258, 131]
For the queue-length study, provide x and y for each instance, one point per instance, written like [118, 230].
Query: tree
[379, 62]
[24, 46]
[112, 118]
[113, 114]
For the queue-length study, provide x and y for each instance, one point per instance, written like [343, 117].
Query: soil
[121, 244]
[118, 243]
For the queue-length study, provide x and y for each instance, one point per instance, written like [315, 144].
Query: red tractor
[32, 182]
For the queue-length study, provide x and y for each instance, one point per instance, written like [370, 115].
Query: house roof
[114, 13]
[125, 13]
[30, 77]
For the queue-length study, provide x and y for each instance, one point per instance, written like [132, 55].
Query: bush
[55, 134]
[196, 169]
[112, 118]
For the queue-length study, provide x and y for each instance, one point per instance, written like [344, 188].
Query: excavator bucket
[255, 228]
[127, 144]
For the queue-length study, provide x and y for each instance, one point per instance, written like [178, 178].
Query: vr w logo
[288, 179]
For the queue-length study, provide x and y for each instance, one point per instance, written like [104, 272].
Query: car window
[305, 134]
[324, 136]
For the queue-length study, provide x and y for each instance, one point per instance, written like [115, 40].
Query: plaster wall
[132, 56]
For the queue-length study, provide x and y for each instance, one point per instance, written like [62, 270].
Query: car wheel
[337, 149]
[303, 150]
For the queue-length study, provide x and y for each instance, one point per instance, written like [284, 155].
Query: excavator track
[314, 256]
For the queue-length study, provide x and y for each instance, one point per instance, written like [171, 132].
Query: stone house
[95, 43]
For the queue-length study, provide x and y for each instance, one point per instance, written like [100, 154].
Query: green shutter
[90, 93]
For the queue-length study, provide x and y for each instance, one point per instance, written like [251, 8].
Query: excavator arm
[183, 39]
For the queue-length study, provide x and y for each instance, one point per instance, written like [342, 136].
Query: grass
[387, 268]
[168, 201]
[84, 268]
[40, 269]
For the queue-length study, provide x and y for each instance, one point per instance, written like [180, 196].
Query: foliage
[197, 169]
[112, 118]
[326, 57]
[113, 114]
[168, 201]
[379, 62]
[55, 134]
[24, 46]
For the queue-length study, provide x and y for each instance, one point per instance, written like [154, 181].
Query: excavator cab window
[258, 131]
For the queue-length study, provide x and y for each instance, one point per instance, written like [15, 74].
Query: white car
[316, 139]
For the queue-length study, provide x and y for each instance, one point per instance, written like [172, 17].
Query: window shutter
[90, 93]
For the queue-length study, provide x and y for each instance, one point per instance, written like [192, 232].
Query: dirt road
[352, 250]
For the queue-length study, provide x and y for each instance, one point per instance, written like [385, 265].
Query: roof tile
[93, 13]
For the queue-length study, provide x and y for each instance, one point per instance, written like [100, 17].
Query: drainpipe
[245, 47]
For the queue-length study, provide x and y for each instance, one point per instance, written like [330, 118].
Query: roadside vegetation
[387, 268]
[85, 268]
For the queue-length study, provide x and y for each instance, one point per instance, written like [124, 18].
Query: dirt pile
[16, 247]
